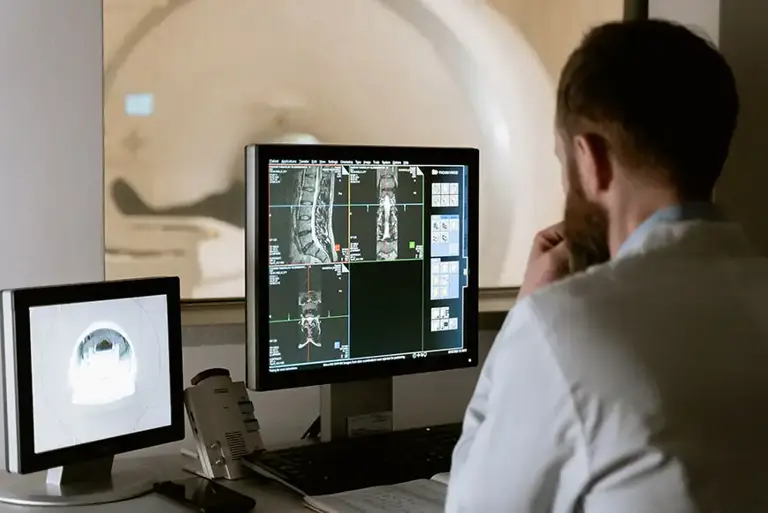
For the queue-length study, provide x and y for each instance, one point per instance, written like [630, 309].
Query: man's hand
[548, 261]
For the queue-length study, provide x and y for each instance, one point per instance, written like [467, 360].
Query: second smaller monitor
[91, 370]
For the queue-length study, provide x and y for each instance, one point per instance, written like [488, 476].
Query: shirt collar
[703, 211]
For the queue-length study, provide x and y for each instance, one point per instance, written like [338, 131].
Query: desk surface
[270, 497]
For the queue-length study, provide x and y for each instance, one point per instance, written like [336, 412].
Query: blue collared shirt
[686, 211]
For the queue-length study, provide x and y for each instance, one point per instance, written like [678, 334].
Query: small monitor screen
[368, 261]
[99, 370]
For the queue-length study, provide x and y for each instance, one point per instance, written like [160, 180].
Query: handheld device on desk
[222, 419]
[205, 496]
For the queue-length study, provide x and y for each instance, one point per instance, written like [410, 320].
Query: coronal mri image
[386, 209]
[386, 217]
[99, 370]
[312, 240]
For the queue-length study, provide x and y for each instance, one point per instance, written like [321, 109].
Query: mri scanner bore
[98, 367]
[103, 366]
[189, 83]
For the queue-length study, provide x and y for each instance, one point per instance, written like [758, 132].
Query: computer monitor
[361, 262]
[89, 371]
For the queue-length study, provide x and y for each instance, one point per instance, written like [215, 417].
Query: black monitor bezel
[265, 380]
[23, 300]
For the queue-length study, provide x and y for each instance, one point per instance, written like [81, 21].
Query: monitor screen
[99, 370]
[369, 259]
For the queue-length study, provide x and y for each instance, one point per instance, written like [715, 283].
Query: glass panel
[188, 83]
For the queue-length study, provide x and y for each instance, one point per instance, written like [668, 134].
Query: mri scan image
[103, 366]
[309, 318]
[313, 239]
[386, 216]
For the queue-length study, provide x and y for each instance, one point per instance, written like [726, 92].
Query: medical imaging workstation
[361, 265]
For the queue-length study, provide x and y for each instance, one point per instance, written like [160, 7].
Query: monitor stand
[355, 408]
[85, 483]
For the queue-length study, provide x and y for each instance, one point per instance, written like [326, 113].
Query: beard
[586, 226]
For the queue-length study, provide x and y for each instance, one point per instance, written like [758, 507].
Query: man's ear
[594, 163]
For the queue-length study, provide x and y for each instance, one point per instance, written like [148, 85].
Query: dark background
[385, 308]
[635, 9]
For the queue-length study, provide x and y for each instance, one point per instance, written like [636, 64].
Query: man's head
[645, 115]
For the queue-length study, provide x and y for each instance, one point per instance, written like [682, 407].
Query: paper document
[422, 496]
[442, 478]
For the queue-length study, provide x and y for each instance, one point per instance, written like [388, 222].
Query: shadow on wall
[188, 83]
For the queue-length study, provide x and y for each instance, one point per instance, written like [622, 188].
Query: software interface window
[99, 370]
[367, 261]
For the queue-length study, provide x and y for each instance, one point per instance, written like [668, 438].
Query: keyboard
[354, 463]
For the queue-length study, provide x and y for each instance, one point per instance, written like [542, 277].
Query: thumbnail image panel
[308, 214]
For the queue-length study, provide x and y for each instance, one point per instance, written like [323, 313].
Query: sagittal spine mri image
[324, 221]
[312, 239]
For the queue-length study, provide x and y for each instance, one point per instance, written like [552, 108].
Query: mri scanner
[216, 75]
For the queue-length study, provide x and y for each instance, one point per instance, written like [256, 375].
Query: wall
[742, 189]
[702, 14]
[421, 73]
[553, 33]
[51, 214]
[739, 30]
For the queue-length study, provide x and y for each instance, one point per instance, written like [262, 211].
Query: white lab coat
[640, 386]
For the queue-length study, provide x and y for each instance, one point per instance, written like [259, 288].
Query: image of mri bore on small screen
[103, 366]
[100, 369]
